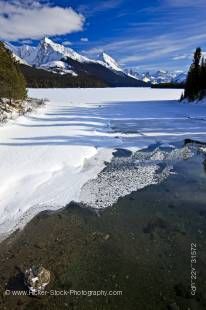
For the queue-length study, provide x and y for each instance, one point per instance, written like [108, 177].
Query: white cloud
[26, 41]
[182, 57]
[84, 39]
[151, 50]
[67, 43]
[33, 20]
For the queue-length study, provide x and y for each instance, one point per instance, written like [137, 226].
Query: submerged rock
[107, 237]
[37, 278]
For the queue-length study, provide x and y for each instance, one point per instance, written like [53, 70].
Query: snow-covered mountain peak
[48, 43]
[53, 52]
[47, 40]
[110, 62]
[26, 53]
[45, 52]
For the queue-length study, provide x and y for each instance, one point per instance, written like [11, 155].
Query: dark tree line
[168, 85]
[12, 82]
[195, 87]
[40, 78]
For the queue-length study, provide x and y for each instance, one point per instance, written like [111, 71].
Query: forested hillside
[40, 78]
[12, 82]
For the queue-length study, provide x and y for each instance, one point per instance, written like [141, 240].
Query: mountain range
[61, 60]
[57, 59]
[159, 77]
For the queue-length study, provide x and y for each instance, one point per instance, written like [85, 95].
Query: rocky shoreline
[10, 111]
[140, 246]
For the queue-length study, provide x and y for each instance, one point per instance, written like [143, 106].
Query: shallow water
[128, 172]
[141, 246]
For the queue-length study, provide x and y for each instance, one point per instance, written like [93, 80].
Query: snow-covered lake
[46, 157]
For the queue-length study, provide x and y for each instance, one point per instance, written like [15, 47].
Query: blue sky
[147, 35]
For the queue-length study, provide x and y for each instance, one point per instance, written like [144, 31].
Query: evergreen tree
[12, 83]
[195, 87]
[203, 76]
[197, 58]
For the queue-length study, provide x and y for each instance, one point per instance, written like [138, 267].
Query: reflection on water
[141, 246]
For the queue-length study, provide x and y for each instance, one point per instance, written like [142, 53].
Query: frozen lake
[46, 157]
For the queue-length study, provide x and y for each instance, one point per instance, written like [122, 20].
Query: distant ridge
[61, 60]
